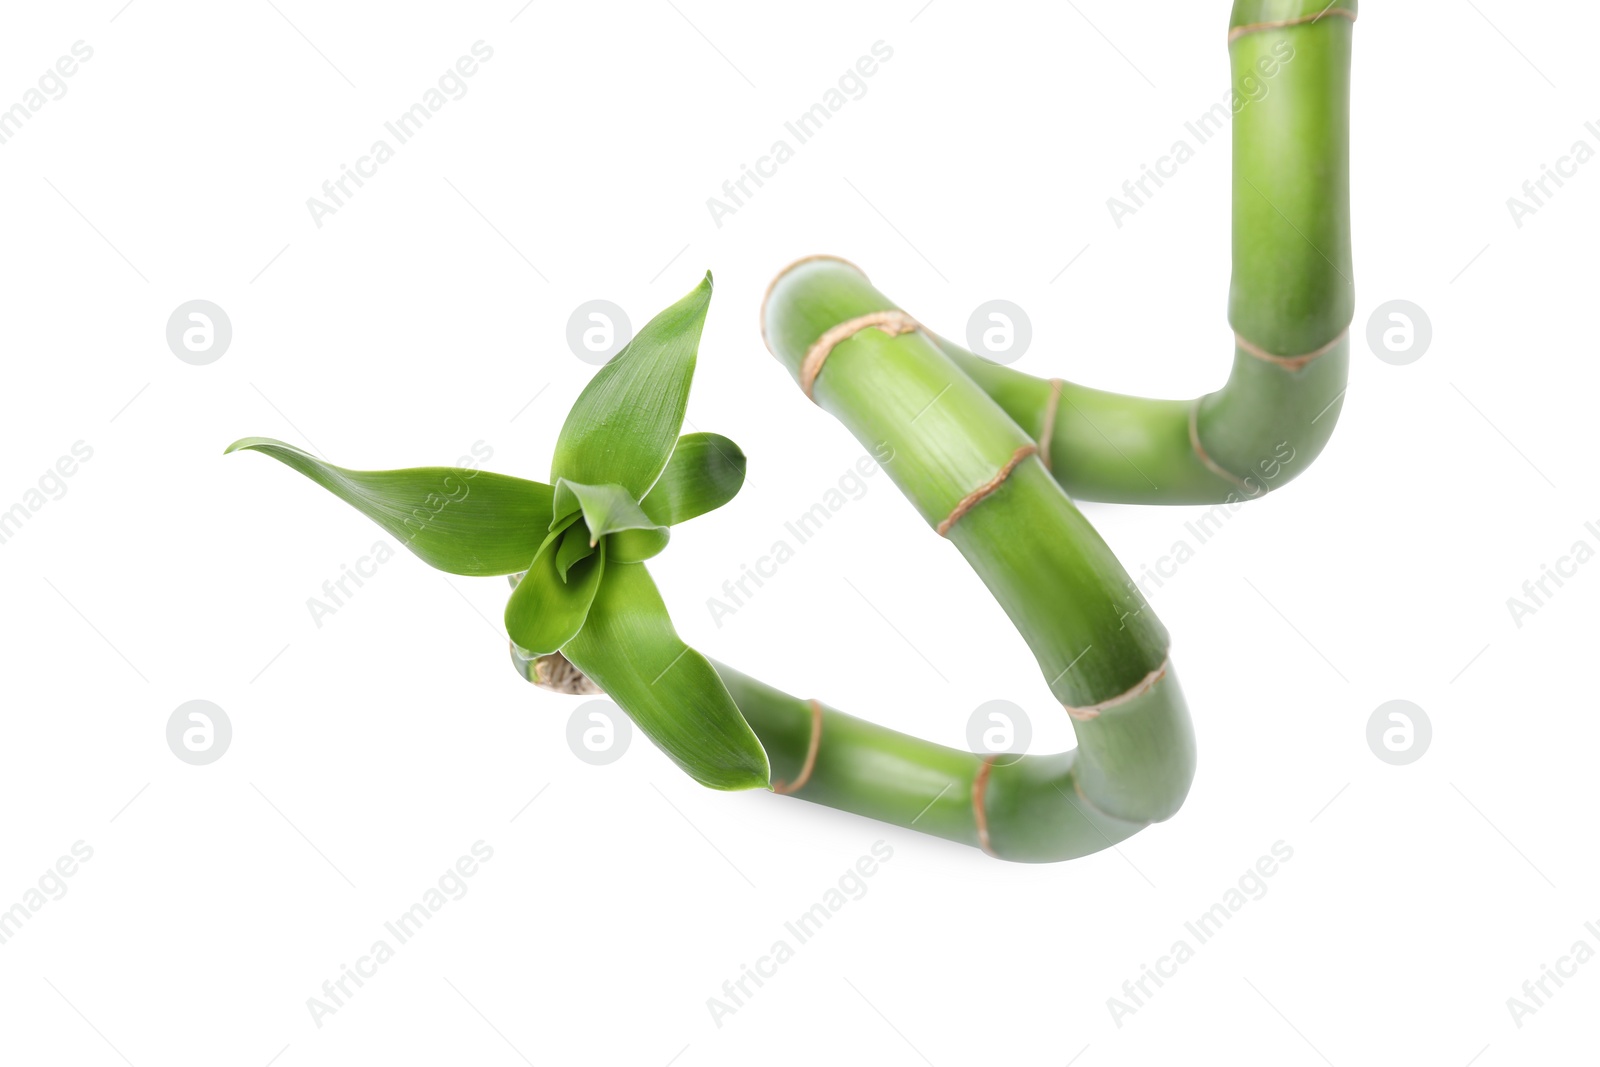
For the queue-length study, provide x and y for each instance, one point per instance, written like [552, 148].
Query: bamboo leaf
[575, 545]
[624, 423]
[458, 520]
[545, 610]
[629, 648]
[705, 472]
[636, 546]
[605, 508]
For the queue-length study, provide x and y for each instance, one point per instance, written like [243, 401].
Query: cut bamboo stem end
[1139, 689]
[971, 500]
[1304, 20]
[980, 815]
[1291, 363]
[778, 277]
[893, 323]
[799, 783]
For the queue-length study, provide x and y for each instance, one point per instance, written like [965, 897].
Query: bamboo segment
[1290, 303]
[959, 429]
[1033, 809]
[974, 475]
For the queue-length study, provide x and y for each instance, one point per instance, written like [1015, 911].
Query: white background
[372, 751]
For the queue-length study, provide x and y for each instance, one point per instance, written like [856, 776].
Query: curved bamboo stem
[962, 430]
[1290, 305]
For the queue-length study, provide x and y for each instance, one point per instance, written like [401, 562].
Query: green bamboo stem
[1292, 296]
[974, 476]
[960, 429]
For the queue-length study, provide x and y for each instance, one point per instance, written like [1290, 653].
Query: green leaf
[636, 546]
[704, 473]
[575, 545]
[545, 611]
[629, 648]
[458, 520]
[605, 508]
[624, 423]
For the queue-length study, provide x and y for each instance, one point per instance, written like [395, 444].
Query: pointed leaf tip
[459, 520]
[624, 424]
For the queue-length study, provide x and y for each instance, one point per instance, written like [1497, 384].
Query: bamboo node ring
[786, 788]
[968, 502]
[980, 785]
[1257, 27]
[1139, 689]
[1205, 457]
[1047, 428]
[1291, 363]
[892, 322]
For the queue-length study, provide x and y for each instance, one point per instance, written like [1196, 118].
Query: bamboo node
[1257, 27]
[971, 500]
[980, 785]
[786, 788]
[778, 277]
[1139, 689]
[892, 322]
[1291, 363]
[1047, 429]
[1205, 457]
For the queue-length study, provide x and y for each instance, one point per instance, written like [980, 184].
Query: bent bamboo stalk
[964, 432]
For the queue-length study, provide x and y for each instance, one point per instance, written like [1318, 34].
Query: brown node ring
[1304, 20]
[971, 500]
[1047, 428]
[1205, 457]
[1290, 363]
[980, 785]
[1139, 689]
[892, 322]
[786, 788]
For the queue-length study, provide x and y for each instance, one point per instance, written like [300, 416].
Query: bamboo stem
[1290, 304]
[960, 428]
[974, 475]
